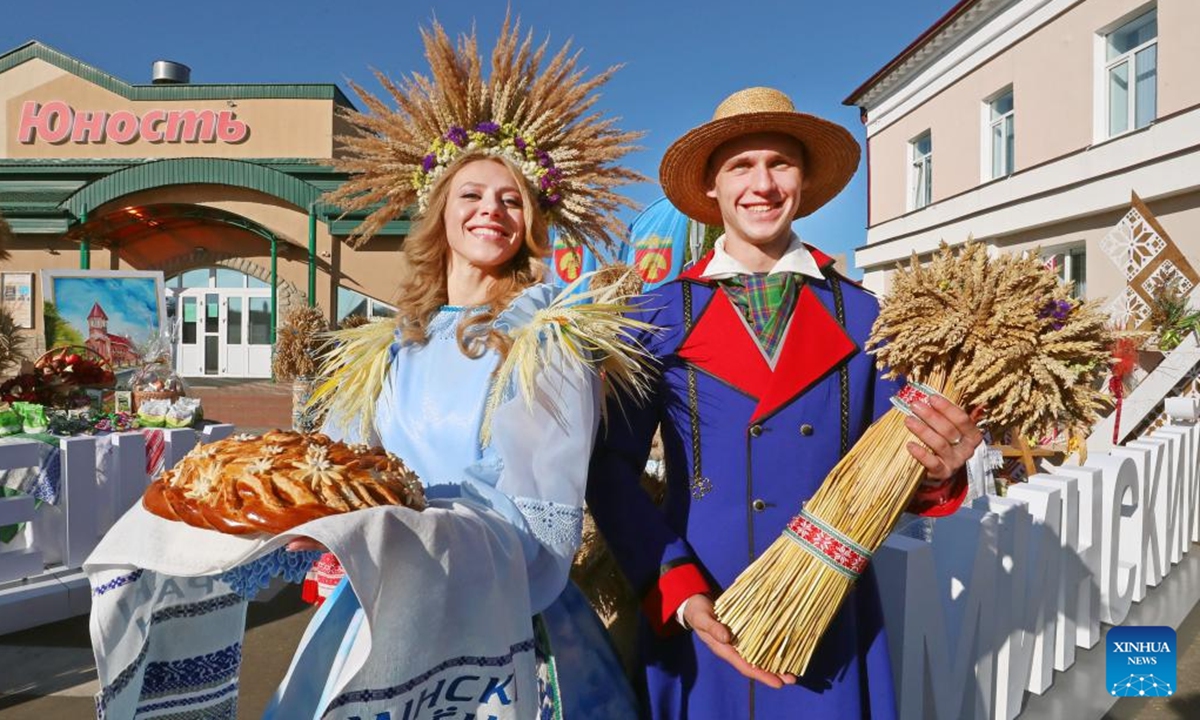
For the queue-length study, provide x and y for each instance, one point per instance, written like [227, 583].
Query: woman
[452, 403]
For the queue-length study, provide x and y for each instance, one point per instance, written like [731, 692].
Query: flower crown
[494, 139]
[538, 116]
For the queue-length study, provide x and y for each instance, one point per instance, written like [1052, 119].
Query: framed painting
[16, 293]
[112, 312]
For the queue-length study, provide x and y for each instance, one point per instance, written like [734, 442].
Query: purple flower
[553, 198]
[428, 162]
[1058, 310]
[543, 159]
[545, 182]
[488, 128]
[519, 143]
[457, 135]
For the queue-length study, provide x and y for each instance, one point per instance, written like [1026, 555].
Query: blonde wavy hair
[423, 292]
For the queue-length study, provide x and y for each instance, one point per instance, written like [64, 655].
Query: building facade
[217, 186]
[1029, 124]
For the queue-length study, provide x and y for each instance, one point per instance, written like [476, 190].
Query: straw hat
[830, 152]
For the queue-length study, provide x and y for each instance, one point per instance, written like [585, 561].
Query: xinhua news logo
[1140, 661]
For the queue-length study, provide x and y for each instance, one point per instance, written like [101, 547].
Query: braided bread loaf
[246, 484]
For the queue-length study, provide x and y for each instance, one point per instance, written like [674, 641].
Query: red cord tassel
[1117, 387]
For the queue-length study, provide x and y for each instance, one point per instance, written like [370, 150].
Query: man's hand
[302, 544]
[949, 434]
[700, 616]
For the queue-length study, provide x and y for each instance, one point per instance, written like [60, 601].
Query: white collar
[797, 259]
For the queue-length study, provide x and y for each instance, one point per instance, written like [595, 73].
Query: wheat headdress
[542, 120]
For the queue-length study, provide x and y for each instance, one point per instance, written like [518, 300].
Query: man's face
[756, 181]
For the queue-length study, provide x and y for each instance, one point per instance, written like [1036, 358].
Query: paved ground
[252, 405]
[48, 673]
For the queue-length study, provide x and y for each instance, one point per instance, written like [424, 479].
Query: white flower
[260, 465]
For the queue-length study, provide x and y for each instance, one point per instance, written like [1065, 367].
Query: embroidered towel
[444, 594]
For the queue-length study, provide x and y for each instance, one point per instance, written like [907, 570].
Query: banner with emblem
[658, 243]
[567, 261]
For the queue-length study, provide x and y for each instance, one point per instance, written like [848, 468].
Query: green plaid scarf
[767, 302]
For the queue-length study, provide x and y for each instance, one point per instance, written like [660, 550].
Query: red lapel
[721, 345]
[815, 344]
[694, 272]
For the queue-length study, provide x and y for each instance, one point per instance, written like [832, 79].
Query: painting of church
[114, 313]
[117, 349]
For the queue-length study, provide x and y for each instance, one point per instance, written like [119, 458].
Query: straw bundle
[1000, 332]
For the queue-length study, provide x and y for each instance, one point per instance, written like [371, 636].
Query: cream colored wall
[1178, 55]
[279, 128]
[375, 269]
[1052, 74]
[1178, 215]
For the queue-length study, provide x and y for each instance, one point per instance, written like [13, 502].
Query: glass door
[190, 355]
[258, 334]
[234, 350]
[212, 334]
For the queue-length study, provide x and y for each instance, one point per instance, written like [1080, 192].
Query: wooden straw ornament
[999, 332]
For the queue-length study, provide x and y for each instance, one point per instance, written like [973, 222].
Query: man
[763, 387]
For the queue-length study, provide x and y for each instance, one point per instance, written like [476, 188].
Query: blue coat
[768, 438]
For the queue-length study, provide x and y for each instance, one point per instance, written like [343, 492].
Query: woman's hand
[302, 544]
[948, 436]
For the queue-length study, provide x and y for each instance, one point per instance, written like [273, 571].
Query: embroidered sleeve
[552, 523]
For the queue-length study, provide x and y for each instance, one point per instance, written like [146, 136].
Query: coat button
[755, 430]
[806, 429]
[759, 505]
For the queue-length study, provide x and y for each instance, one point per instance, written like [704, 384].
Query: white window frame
[920, 164]
[176, 281]
[374, 307]
[985, 144]
[1066, 258]
[1103, 65]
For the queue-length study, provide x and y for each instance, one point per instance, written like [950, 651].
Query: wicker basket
[64, 380]
[141, 396]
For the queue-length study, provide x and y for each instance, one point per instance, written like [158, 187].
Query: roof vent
[167, 72]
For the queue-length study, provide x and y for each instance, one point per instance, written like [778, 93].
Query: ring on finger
[956, 441]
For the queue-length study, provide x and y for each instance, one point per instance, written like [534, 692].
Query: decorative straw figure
[764, 387]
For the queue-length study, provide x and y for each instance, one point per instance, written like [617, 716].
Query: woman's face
[484, 216]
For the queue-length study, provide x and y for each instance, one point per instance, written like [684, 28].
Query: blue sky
[681, 58]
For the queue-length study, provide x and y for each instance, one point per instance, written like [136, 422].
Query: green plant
[57, 331]
[1171, 317]
[11, 342]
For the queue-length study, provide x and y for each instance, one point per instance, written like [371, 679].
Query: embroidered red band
[835, 550]
[913, 392]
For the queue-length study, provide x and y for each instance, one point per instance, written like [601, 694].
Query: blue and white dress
[531, 476]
